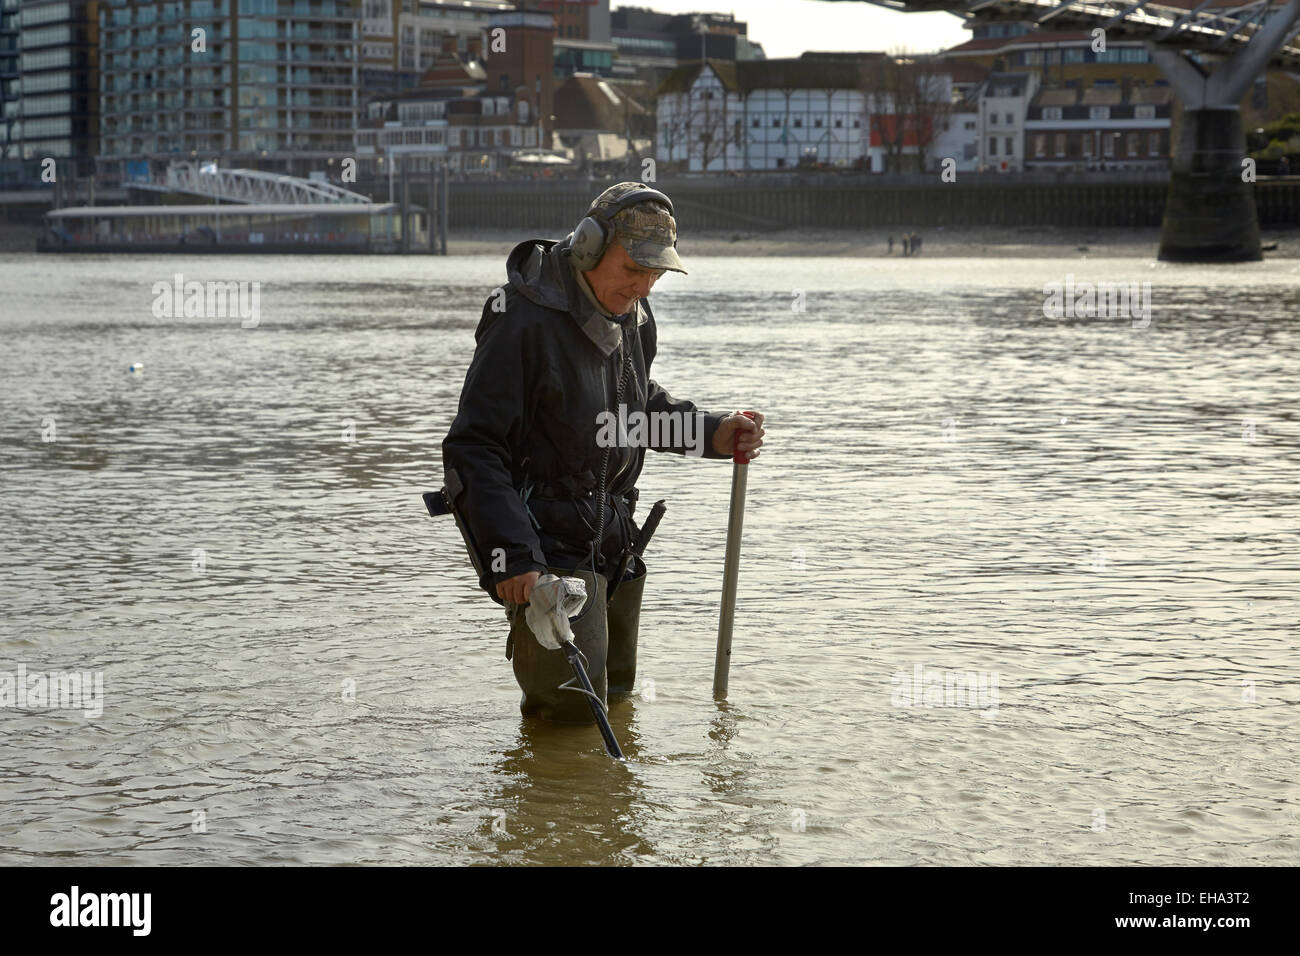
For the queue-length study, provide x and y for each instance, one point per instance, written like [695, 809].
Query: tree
[908, 100]
[706, 112]
[674, 125]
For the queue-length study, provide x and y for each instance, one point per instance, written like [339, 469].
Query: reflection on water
[297, 667]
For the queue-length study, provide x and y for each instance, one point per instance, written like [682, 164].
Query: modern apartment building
[651, 44]
[269, 84]
[48, 84]
[1058, 57]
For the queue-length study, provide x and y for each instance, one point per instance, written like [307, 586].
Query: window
[1051, 112]
[1011, 147]
[817, 123]
[1060, 144]
[251, 30]
[776, 121]
[993, 145]
[755, 123]
[839, 124]
[1108, 143]
[1099, 112]
[47, 36]
[39, 82]
[993, 119]
[1010, 121]
[61, 126]
[1131, 144]
[798, 122]
[1144, 112]
[31, 16]
[46, 59]
[54, 103]
[1040, 145]
[256, 51]
[1153, 144]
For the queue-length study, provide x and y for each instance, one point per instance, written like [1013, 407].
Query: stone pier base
[1210, 213]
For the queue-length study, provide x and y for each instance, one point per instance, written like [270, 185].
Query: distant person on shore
[891, 246]
[563, 351]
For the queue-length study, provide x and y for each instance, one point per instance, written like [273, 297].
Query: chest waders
[605, 630]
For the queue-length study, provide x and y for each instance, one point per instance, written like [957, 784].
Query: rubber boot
[540, 672]
[624, 613]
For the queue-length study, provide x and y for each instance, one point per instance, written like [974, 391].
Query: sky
[789, 27]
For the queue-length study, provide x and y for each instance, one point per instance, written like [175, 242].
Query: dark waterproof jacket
[524, 440]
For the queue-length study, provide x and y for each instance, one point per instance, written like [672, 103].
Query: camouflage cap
[646, 230]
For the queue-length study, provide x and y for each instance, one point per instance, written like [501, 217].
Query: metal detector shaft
[730, 573]
[597, 708]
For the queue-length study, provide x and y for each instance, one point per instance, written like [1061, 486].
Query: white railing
[248, 186]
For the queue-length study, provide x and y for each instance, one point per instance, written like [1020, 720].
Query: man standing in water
[555, 415]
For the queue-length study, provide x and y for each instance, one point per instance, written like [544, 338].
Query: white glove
[550, 605]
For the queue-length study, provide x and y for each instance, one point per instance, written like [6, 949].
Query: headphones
[594, 234]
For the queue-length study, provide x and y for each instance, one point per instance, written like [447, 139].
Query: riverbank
[1022, 242]
[1025, 242]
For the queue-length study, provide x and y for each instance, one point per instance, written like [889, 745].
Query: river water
[1092, 520]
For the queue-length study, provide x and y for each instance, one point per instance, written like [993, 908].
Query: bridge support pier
[1210, 213]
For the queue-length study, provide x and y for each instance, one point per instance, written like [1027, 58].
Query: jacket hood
[536, 271]
[540, 271]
